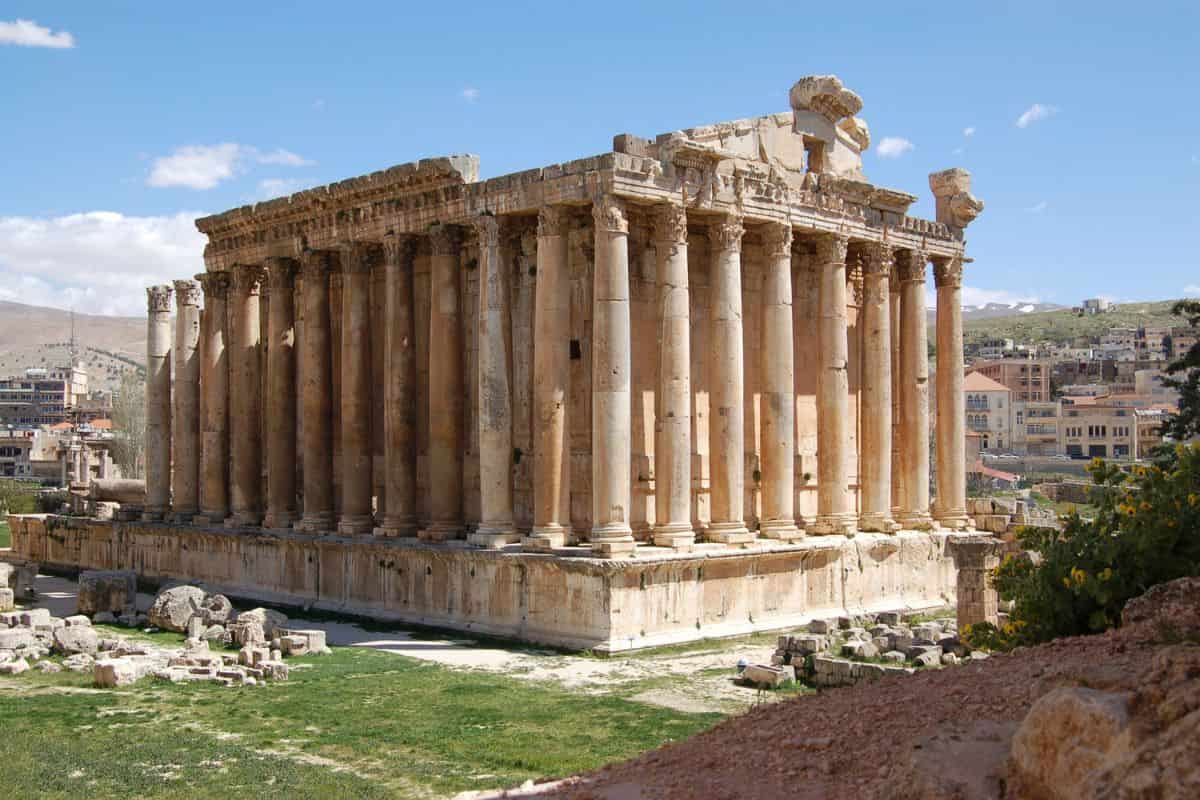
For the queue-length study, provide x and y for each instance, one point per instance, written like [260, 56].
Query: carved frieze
[552, 221]
[878, 258]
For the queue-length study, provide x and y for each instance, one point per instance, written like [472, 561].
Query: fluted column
[185, 423]
[835, 506]
[245, 397]
[444, 455]
[776, 351]
[214, 384]
[158, 403]
[951, 505]
[914, 391]
[876, 463]
[726, 425]
[898, 490]
[551, 384]
[494, 398]
[673, 420]
[400, 390]
[612, 408]
[316, 373]
[280, 403]
[357, 484]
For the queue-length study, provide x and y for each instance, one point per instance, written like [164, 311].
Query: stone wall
[575, 602]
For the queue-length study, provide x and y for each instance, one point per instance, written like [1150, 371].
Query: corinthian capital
[214, 284]
[552, 221]
[910, 265]
[831, 248]
[777, 241]
[158, 298]
[187, 293]
[247, 279]
[608, 212]
[487, 230]
[726, 233]
[359, 257]
[444, 239]
[670, 224]
[878, 259]
[281, 273]
[399, 249]
[948, 271]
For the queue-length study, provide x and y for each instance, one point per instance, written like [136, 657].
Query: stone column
[727, 437]
[914, 392]
[316, 373]
[673, 423]
[551, 384]
[951, 505]
[975, 557]
[400, 390]
[214, 383]
[357, 484]
[280, 405]
[898, 490]
[494, 399]
[776, 352]
[835, 507]
[185, 425]
[245, 398]
[444, 455]
[876, 462]
[158, 403]
[612, 408]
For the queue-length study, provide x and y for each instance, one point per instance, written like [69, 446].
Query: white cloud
[1038, 207]
[470, 94]
[969, 131]
[893, 147]
[1192, 290]
[99, 262]
[269, 188]
[1035, 113]
[27, 33]
[204, 166]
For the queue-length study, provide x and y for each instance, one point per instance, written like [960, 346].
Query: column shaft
[835, 509]
[951, 506]
[214, 384]
[281, 400]
[898, 490]
[914, 392]
[400, 390]
[245, 398]
[316, 374]
[158, 403]
[185, 425]
[876, 462]
[357, 484]
[611, 533]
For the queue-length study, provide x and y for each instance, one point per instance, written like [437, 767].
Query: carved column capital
[445, 240]
[948, 271]
[487, 230]
[399, 249]
[247, 279]
[316, 264]
[214, 284]
[158, 298]
[359, 257]
[831, 248]
[910, 265]
[552, 221]
[187, 293]
[281, 273]
[878, 259]
[726, 233]
[608, 212]
[777, 241]
[671, 224]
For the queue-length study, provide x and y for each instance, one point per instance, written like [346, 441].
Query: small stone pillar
[280, 404]
[245, 398]
[975, 557]
[357, 484]
[876, 421]
[214, 385]
[316, 391]
[400, 389]
[185, 425]
[158, 403]
[914, 391]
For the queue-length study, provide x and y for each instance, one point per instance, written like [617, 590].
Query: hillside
[1063, 325]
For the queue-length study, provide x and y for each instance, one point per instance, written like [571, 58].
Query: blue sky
[124, 120]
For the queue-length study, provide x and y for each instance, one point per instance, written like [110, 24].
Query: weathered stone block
[76, 639]
[268, 618]
[14, 667]
[13, 638]
[112, 591]
[768, 677]
[174, 607]
[112, 672]
[7, 599]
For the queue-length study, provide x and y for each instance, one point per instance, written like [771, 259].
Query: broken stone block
[822, 626]
[195, 627]
[928, 659]
[77, 621]
[111, 591]
[888, 618]
[860, 649]
[14, 667]
[80, 662]
[34, 617]
[174, 607]
[13, 638]
[245, 632]
[48, 667]
[768, 677]
[111, 672]
[882, 643]
[267, 618]
[7, 599]
[76, 639]
[307, 641]
[275, 670]
[216, 610]
[104, 618]
[293, 645]
[949, 659]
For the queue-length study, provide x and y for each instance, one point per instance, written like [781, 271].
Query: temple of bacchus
[679, 389]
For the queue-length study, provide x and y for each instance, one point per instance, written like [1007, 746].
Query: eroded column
[185, 424]
[951, 505]
[400, 390]
[245, 398]
[876, 461]
[158, 403]
[357, 484]
[914, 391]
[835, 505]
[776, 352]
[611, 533]
[673, 422]
[316, 389]
[214, 384]
[727, 437]
[280, 404]
[444, 455]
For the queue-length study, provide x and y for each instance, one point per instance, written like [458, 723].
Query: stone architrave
[357, 476]
[673, 423]
[185, 424]
[914, 391]
[245, 398]
[494, 399]
[158, 403]
[316, 391]
[776, 352]
[280, 403]
[876, 419]
[214, 385]
[551, 384]
[400, 390]
[727, 435]
[951, 505]
[444, 455]
[611, 534]
[835, 507]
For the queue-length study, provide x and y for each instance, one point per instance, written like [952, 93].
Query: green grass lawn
[5, 535]
[359, 723]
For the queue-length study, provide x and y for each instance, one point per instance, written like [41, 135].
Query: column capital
[187, 293]
[671, 224]
[878, 259]
[552, 221]
[281, 273]
[948, 271]
[399, 249]
[487, 230]
[445, 239]
[247, 278]
[910, 265]
[316, 264]
[726, 232]
[777, 240]
[214, 284]
[358, 257]
[158, 298]
[831, 248]
[608, 212]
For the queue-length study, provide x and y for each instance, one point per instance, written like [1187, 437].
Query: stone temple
[679, 389]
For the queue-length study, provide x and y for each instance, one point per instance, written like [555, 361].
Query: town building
[1035, 427]
[42, 396]
[989, 410]
[16, 446]
[1095, 305]
[1153, 342]
[1097, 428]
[1028, 379]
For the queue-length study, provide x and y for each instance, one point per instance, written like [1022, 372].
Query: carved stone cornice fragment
[878, 258]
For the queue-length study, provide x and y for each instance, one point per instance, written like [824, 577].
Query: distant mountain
[1061, 324]
[998, 310]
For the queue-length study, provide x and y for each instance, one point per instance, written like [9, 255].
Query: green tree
[129, 426]
[1185, 378]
